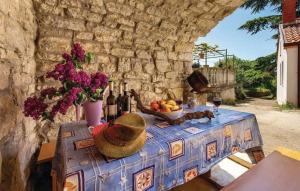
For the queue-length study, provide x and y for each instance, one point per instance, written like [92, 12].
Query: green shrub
[287, 106]
[258, 92]
[240, 93]
[229, 101]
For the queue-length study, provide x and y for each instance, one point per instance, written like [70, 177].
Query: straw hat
[125, 137]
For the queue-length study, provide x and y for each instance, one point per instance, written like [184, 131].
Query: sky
[238, 42]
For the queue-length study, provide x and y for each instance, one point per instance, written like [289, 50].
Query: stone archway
[147, 42]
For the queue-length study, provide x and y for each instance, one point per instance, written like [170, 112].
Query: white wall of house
[292, 75]
[287, 74]
[281, 73]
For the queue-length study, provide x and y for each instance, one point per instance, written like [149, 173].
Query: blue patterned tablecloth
[170, 157]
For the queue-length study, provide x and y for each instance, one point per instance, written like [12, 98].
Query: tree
[270, 22]
[200, 52]
[254, 74]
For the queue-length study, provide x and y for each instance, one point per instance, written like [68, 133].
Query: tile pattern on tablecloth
[170, 157]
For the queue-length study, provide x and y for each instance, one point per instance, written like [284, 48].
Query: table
[170, 157]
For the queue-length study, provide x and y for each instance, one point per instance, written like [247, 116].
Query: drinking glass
[217, 101]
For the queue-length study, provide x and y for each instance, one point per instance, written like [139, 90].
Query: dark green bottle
[111, 103]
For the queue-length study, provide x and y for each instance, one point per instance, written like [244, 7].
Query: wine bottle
[120, 102]
[126, 100]
[111, 104]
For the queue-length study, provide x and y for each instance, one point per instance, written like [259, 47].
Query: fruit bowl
[168, 107]
[174, 114]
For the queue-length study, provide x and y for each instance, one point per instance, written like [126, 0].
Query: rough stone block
[124, 65]
[121, 52]
[134, 84]
[143, 26]
[141, 16]
[49, 9]
[98, 9]
[172, 55]
[103, 59]
[178, 92]
[144, 77]
[143, 54]
[127, 28]
[184, 47]
[92, 46]
[70, 3]
[126, 22]
[158, 90]
[136, 65]
[166, 44]
[54, 44]
[149, 67]
[4, 73]
[119, 8]
[172, 74]
[158, 78]
[178, 66]
[108, 68]
[55, 57]
[162, 65]
[84, 36]
[144, 41]
[55, 32]
[161, 55]
[147, 87]
[64, 23]
[147, 97]
[167, 26]
[185, 56]
[188, 67]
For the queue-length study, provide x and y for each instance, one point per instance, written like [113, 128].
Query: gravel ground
[278, 128]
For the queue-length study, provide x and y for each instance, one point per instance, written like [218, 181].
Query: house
[288, 58]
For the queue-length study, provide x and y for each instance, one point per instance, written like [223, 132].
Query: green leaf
[259, 5]
[88, 57]
[262, 23]
[80, 99]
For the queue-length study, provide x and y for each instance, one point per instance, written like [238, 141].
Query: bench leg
[54, 180]
[207, 176]
[255, 154]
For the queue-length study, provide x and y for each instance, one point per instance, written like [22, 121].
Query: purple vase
[93, 112]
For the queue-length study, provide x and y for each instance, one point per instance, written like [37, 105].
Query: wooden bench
[279, 171]
[47, 152]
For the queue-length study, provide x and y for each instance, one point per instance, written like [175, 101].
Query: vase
[93, 112]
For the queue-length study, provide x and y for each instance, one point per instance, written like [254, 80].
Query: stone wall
[145, 42]
[18, 140]
[148, 43]
[223, 79]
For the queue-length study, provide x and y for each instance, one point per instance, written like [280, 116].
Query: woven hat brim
[114, 151]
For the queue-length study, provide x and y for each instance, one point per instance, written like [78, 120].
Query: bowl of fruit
[168, 107]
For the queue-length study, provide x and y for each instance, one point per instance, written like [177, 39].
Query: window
[281, 73]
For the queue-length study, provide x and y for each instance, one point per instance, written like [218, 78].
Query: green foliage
[205, 47]
[287, 106]
[270, 22]
[258, 92]
[262, 23]
[258, 5]
[240, 93]
[88, 57]
[267, 63]
[229, 102]
[256, 75]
